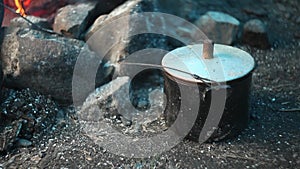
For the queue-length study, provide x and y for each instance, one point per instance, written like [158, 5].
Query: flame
[20, 6]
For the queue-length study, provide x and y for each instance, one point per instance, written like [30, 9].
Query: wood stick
[208, 49]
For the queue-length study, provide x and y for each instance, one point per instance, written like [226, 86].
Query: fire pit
[40, 8]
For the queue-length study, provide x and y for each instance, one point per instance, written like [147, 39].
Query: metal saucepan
[225, 69]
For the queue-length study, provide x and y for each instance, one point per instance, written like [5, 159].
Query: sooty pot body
[235, 113]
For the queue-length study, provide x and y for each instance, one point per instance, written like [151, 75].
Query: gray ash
[25, 115]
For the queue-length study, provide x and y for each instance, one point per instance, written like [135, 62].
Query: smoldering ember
[150, 84]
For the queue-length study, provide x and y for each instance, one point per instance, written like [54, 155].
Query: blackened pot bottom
[235, 116]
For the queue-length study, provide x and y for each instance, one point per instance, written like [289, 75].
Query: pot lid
[227, 63]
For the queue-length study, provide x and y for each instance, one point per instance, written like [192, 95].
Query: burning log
[40, 8]
[20, 6]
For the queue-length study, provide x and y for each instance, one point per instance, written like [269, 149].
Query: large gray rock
[43, 62]
[255, 34]
[69, 18]
[76, 19]
[116, 96]
[96, 26]
[129, 7]
[102, 95]
[125, 45]
[219, 27]
[21, 22]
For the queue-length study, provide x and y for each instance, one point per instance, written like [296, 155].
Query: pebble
[36, 159]
[255, 25]
[281, 7]
[219, 27]
[137, 127]
[298, 20]
[255, 34]
[71, 17]
[24, 143]
[287, 15]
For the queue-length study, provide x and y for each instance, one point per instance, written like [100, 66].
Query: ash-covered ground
[272, 139]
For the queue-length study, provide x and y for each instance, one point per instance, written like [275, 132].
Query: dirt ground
[272, 139]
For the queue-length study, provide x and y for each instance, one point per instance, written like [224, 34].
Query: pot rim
[229, 63]
[205, 82]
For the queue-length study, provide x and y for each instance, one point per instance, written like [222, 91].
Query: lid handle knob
[208, 49]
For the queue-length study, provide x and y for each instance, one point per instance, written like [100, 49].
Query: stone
[297, 35]
[1, 81]
[99, 97]
[116, 94]
[255, 34]
[255, 25]
[281, 7]
[219, 27]
[43, 62]
[124, 46]
[298, 20]
[24, 143]
[287, 15]
[104, 92]
[86, 13]
[102, 8]
[129, 7]
[96, 26]
[21, 22]
[69, 18]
